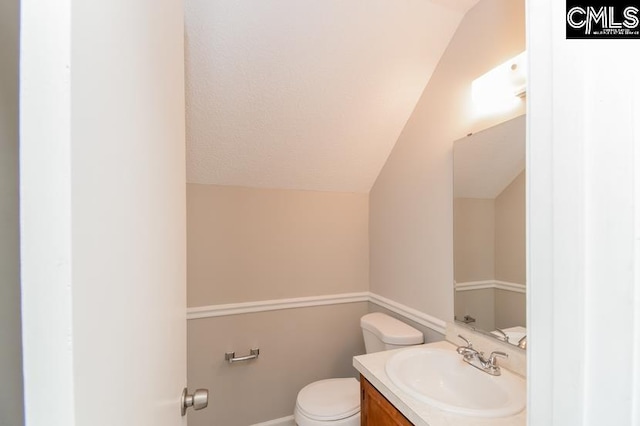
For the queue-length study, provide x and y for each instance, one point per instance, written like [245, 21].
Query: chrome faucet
[477, 359]
[466, 351]
[505, 337]
[522, 343]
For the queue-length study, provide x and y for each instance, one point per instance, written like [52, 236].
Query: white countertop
[372, 367]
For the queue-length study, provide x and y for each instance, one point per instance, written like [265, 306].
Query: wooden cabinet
[376, 410]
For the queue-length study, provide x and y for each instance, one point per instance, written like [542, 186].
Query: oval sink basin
[441, 378]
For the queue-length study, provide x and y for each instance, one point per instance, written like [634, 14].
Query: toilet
[336, 402]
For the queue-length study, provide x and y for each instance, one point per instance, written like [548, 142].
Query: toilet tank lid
[390, 330]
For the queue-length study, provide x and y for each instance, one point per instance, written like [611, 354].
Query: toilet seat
[329, 402]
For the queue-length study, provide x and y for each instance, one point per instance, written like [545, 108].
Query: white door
[103, 212]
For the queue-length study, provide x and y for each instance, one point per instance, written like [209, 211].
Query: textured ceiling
[306, 94]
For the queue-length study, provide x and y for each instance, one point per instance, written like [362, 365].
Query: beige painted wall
[492, 308]
[479, 304]
[510, 241]
[511, 308]
[11, 389]
[249, 244]
[473, 239]
[489, 236]
[297, 347]
[411, 202]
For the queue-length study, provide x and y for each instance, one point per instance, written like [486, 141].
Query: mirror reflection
[489, 231]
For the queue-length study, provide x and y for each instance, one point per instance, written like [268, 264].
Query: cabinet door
[376, 410]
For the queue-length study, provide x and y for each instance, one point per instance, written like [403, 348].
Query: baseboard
[283, 421]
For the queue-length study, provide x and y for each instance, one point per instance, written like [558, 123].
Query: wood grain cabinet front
[376, 410]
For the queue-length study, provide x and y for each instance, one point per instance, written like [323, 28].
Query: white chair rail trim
[274, 305]
[426, 320]
[502, 285]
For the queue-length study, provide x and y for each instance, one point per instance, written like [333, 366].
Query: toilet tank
[382, 333]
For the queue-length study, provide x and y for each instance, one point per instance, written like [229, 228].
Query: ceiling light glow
[502, 88]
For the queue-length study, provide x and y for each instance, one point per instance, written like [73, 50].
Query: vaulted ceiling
[306, 94]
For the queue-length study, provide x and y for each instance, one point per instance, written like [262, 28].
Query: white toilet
[336, 402]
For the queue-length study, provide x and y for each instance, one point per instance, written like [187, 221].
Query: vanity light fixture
[502, 88]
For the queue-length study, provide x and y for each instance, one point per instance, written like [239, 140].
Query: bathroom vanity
[375, 409]
[383, 402]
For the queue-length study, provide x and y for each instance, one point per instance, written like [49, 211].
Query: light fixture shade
[501, 88]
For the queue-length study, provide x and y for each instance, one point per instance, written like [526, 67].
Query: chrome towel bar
[231, 356]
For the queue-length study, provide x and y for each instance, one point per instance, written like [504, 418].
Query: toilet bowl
[336, 402]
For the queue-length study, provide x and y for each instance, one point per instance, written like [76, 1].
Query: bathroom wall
[479, 304]
[11, 393]
[411, 202]
[510, 239]
[474, 239]
[257, 244]
[510, 309]
[297, 347]
[489, 236]
[510, 249]
[248, 245]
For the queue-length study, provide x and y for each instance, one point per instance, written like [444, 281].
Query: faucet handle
[495, 354]
[467, 351]
[469, 345]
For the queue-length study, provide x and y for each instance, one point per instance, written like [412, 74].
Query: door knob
[198, 400]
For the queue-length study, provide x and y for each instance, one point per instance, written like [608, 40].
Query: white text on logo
[579, 17]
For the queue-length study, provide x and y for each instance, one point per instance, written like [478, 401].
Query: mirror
[489, 231]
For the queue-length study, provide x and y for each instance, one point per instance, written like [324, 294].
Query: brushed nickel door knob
[198, 400]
